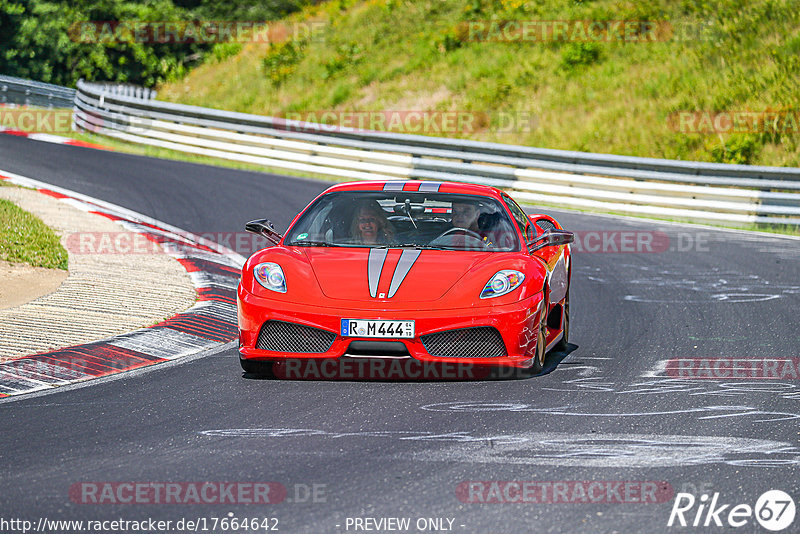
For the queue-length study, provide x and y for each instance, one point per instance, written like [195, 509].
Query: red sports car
[437, 272]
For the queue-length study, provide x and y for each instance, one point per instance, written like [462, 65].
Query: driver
[465, 215]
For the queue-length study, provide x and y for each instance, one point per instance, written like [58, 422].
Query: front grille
[281, 336]
[479, 342]
[377, 348]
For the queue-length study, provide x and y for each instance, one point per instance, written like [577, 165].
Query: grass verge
[24, 238]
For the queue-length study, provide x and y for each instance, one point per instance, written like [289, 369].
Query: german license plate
[375, 328]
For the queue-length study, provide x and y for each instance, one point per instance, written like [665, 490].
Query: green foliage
[579, 54]
[346, 55]
[737, 149]
[223, 51]
[451, 39]
[50, 40]
[340, 93]
[45, 40]
[281, 61]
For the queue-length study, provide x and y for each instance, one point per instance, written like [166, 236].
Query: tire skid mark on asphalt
[597, 450]
[702, 412]
[656, 382]
[214, 271]
[590, 381]
[715, 285]
[603, 450]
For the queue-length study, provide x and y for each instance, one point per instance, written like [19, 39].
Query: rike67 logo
[774, 510]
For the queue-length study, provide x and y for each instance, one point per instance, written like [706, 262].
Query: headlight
[270, 275]
[501, 283]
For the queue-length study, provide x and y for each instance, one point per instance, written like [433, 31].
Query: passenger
[370, 225]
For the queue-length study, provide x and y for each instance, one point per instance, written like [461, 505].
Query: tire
[541, 345]
[563, 343]
[258, 368]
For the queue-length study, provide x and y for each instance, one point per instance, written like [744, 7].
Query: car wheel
[258, 368]
[541, 345]
[562, 344]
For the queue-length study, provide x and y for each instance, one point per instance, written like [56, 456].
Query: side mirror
[263, 227]
[551, 238]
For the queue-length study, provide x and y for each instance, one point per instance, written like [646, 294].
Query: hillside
[591, 87]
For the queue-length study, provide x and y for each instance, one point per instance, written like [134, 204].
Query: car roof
[418, 185]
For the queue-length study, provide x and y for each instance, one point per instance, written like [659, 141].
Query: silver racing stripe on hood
[404, 264]
[429, 187]
[374, 267]
[393, 186]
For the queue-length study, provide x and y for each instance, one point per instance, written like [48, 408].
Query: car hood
[396, 275]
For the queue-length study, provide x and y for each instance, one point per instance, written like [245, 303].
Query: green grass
[606, 97]
[24, 238]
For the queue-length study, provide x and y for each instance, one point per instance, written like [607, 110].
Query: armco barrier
[695, 191]
[28, 93]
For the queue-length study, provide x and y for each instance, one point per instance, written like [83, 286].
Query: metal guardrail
[677, 189]
[23, 92]
[122, 89]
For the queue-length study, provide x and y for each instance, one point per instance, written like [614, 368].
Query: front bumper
[516, 322]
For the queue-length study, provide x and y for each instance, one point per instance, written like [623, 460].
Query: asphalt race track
[611, 411]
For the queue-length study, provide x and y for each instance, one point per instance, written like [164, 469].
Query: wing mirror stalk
[263, 227]
[551, 238]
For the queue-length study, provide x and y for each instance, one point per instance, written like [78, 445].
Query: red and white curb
[211, 322]
[50, 138]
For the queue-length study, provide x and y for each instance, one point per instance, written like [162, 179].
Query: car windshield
[443, 221]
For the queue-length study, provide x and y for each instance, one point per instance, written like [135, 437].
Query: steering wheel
[466, 231]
